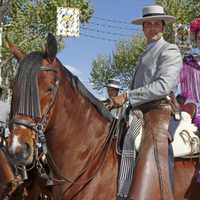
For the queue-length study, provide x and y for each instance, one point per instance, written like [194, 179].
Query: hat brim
[166, 18]
[113, 86]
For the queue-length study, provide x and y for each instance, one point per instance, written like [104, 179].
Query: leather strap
[161, 156]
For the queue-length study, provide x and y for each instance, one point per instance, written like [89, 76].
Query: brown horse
[10, 179]
[12, 185]
[9, 182]
[51, 107]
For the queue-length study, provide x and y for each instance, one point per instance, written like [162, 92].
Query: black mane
[80, 88]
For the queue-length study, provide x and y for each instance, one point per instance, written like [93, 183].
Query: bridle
[40, 127]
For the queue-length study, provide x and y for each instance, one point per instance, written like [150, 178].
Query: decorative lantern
[182, 36]
[68, 22]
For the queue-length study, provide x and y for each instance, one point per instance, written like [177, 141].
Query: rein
[86, 182]
[108, 140]
[185, 135]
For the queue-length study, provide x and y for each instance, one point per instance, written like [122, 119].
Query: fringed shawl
[190, 79]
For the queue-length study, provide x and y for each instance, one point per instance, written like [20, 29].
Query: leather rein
[39, 129]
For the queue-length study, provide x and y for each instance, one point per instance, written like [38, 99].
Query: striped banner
[68, 22]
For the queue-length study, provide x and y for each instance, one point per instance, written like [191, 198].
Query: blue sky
[110, 23]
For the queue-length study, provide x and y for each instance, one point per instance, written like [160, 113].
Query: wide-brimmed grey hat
[154, 12]
[114, 83]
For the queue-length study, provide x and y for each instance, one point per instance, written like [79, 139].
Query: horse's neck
[78, 124]
[76, 142]
[78, 134]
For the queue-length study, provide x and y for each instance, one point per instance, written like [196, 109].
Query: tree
[102, 70]
[125, 58]
[185, 11]
[5, 8]
[28, 23]
[120, 65]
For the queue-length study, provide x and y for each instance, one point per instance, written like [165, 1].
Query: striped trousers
[129, 154]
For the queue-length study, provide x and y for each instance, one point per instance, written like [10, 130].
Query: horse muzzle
[21, 155]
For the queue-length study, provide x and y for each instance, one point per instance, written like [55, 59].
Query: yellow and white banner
[68, 22]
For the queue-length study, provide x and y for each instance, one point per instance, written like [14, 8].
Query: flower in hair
[194, 25]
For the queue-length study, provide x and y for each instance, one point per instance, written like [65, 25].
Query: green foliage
[120, 65]
[102, 70]
[185, 11]
[28, 23]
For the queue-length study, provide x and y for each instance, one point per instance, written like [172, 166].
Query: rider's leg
[151, 176]
[128, 155]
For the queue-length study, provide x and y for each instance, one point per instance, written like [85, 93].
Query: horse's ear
[51, 47]
[16, 51]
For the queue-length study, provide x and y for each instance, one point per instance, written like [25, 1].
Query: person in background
[153, 103]
[113, 88]
[190, 73]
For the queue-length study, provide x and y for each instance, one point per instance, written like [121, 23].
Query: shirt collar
[150, 45]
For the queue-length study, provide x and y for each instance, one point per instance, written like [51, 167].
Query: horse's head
[34, 93]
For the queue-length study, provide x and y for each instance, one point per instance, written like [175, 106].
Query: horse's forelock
[27, 84]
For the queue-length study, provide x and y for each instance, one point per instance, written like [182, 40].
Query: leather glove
[118, 101]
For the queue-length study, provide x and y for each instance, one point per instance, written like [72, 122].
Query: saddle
[189, 108]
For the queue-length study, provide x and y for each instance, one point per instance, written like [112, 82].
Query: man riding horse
[153, 103]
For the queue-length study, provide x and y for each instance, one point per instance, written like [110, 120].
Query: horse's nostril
[26, 149]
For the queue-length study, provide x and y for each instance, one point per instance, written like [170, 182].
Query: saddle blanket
[185, 142]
